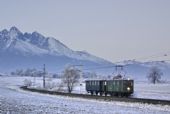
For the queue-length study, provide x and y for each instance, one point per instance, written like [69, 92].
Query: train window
[105, 83]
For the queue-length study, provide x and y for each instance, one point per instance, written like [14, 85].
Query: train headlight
[128, 88]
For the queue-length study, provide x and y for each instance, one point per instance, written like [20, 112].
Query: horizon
[113, 30]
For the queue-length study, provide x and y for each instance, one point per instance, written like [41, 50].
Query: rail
[107, 98]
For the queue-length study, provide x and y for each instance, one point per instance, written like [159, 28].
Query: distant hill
[139, 70]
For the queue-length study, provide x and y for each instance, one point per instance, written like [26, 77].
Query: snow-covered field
[153, 91]
[141, 89]
[16, 101]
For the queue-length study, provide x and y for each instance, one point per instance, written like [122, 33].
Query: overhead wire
[138, 59]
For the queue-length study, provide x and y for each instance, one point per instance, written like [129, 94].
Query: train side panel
[115, 86]
[122, 87]
[93, 86]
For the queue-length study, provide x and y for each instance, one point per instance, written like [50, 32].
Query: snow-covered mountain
[32, 48]
[36, 44]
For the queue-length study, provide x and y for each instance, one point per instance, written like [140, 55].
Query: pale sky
[112, 29]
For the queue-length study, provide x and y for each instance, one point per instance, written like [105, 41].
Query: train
[114, 87]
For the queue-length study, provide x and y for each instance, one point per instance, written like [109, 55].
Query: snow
[28, 48]
[16, 101]
[12, 36]
[153, 91]
[56, 46]
[83, 55]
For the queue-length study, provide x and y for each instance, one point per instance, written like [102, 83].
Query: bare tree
[27, 82]
[154, 75]
[71, 77]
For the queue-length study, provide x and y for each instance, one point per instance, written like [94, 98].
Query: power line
[111, 66]
[119, 62]
[154, 56]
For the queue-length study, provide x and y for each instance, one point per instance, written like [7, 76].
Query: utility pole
[44, 73]
[34, 79]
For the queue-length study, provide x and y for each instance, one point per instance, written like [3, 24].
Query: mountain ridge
[15, 40]
[28, 50]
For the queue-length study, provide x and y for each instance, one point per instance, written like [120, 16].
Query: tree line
[27, 72]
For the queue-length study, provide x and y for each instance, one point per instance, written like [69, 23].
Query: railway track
[107, 98]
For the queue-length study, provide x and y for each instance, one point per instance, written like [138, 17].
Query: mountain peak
[14, 33]
[35, 33]
[15, 29]
[5, 31]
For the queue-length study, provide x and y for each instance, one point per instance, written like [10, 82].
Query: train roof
[106, 80]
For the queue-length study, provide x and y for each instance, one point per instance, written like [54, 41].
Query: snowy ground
[15, 101]
[141, 89]
[153, 91]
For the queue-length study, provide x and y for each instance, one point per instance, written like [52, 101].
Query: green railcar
[117, 87]
[93, 86]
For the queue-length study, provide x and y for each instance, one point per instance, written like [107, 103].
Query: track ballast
[107, 98]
